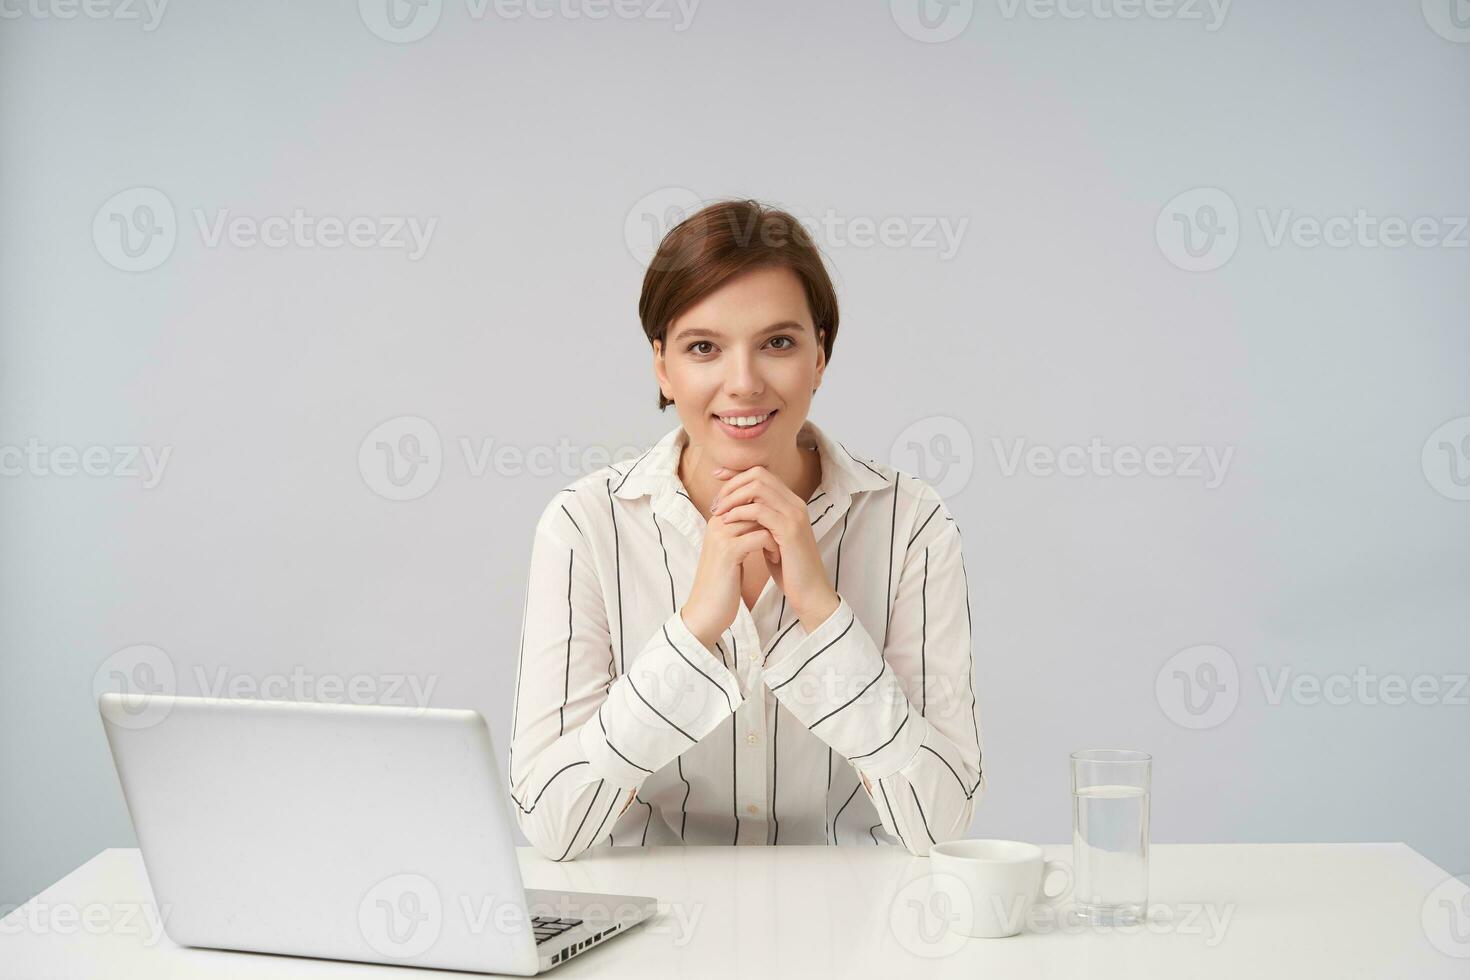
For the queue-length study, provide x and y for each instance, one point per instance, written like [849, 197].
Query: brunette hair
[719, 242]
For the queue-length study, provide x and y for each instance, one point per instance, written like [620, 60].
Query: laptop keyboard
[549, 927]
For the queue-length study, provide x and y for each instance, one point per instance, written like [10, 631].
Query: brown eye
[697, 343]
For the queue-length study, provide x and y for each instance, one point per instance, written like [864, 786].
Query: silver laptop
[351, 832]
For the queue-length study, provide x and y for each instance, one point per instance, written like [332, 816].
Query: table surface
[1216, 910]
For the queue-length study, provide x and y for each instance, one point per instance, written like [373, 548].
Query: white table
[760, 913]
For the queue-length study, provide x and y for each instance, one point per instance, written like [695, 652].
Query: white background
[1334, 542]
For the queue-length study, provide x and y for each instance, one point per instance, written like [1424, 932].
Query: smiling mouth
[748, 427]
[752, 418]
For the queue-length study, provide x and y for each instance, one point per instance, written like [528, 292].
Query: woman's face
[747, 349]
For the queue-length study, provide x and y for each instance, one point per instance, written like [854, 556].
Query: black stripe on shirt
[582, 821]
[925, 524]
[851, 699]
[569, 765]
[925, 819]
[701, 673]
[854, 758]
[614, 747]
[815, 655]
[656, 711]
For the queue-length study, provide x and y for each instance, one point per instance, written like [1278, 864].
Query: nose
[742, 376]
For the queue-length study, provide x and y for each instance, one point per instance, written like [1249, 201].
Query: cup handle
[1047, 867]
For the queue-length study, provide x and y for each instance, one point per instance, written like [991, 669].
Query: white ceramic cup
[989, 886]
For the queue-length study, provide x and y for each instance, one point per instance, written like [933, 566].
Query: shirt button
[753, 808]
[750, 738]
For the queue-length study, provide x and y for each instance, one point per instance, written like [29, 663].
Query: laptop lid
[356, 832]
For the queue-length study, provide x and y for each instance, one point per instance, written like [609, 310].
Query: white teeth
[744, 421]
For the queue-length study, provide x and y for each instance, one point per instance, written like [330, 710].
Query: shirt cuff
[674, 693]
[836, 682]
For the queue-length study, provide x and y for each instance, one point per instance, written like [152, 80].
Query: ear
[821, 356]
[659, 372]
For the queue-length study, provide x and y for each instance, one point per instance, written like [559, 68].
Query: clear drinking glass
[1110, 835]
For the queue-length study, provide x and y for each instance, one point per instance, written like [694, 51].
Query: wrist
[700, 631]
[818, 612]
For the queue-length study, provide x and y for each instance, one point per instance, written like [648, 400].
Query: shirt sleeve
[906, 718]
[583, 736]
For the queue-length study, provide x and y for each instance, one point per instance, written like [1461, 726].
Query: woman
[747, 635]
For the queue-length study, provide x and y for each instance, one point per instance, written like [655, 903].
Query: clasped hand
[757, 494]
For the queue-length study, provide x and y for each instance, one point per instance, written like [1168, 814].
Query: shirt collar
[656, 472]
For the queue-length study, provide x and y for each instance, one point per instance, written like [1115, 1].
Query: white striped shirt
[626, 730]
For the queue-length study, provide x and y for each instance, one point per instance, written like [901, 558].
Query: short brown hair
[719, 242]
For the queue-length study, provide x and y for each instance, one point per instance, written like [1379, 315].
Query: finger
[767, 486]
[753, 511]
[774, 520]
[756, 540]
[737, 528]
[743, 478]
[751, 492]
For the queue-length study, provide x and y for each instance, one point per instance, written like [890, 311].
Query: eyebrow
[701, 332]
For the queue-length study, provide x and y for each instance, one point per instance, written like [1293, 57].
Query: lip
[754, 432]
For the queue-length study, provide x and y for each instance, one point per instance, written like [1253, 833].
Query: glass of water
[1110, 835]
